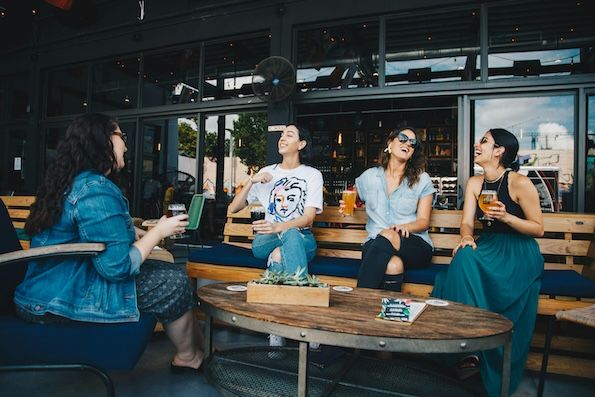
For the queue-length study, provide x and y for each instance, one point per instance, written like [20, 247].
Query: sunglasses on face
[121, 135]
[485, 140]
[404, 138]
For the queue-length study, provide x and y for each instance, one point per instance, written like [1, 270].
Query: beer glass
[173, 210]
[486, 197]
[349, 200]
[256, 214]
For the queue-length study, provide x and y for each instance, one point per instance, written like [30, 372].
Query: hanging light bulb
[340, 138]
[240, 142]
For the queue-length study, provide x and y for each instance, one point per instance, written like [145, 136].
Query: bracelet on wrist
[465, 237]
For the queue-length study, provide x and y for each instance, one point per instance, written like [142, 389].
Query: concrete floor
[152, 377]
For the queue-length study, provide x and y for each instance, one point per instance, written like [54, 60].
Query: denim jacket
[398, 208]
[98, 289]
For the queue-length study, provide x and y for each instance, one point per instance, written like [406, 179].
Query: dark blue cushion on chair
[107, 346]
[567, 283]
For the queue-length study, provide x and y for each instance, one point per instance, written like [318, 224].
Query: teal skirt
[502, 275]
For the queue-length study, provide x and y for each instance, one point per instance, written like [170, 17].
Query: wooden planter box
[288, 294]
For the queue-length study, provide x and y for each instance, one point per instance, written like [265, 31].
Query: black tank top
[501, 186]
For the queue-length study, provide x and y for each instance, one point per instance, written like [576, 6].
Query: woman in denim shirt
[77, 203]
[398, 197]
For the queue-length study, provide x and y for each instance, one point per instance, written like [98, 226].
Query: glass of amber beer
[348, 198]
[486, 198]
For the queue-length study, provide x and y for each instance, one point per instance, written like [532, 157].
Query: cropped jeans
[298, 247]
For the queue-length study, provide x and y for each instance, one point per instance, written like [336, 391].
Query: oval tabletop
[355, 313]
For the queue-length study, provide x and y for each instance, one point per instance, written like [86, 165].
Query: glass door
[545, 127]
[234, 146]
[590, 160]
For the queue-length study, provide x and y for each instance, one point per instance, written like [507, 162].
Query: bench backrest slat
[18, 209]
[566, 244]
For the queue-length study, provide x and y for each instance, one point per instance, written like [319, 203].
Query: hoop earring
[388, 150]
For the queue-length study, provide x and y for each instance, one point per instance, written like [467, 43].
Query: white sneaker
[276, 341]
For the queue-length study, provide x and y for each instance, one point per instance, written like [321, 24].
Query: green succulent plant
[300, 278]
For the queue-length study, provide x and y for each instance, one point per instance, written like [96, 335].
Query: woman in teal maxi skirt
[501, 271]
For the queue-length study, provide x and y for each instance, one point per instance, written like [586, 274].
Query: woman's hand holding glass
[497, 210]
[172, 225]
[266, 227]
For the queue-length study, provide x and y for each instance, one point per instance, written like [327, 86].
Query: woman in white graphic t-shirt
[291, 193]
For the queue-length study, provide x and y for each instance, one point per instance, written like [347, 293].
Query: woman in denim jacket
[398, 197]
[77, 203]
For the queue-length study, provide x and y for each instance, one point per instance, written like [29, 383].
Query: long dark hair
[306, 152]
[416, 164]
[508, 141]
[86, 146]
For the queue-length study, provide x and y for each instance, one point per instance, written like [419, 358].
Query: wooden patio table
[350, 321]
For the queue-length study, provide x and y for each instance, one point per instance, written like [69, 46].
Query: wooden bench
[18, 210]
[567, 245]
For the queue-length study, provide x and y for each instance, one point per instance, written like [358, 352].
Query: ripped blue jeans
[298, 247]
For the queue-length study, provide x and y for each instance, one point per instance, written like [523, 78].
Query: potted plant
[299, 288]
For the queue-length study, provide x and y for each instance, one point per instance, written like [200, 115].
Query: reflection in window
[435, 47]
[171, 78]
[168, 164]
[14, 96]
[229, 66]
[333, 57]
[590, 169]
[543, 38]
[545, 129]
[115, 84]
[67, 91]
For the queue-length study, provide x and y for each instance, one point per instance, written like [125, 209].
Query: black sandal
[467, 367]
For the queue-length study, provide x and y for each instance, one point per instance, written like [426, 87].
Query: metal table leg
[208, 335]
[506, 357]
[303, 370]
[546, 355]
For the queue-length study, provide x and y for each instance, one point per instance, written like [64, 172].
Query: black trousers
[376, 253]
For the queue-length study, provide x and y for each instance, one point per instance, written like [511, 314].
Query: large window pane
[590, 190]
[335, 57]
[545, 129]
[229, 66]
[541, 38]
[115, 84]
[13, 140]
[171, 78]
[67, 91]
[14, 96]
[432, 48]
[348, 138]
[168, 164]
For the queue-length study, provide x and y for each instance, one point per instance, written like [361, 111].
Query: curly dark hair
[86, 146]
[416, 164]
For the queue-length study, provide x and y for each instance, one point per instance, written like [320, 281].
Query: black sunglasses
[404, 138]
[485, 140]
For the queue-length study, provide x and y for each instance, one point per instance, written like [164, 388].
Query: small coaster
[342, 288]
[436, 302]
[236, 288]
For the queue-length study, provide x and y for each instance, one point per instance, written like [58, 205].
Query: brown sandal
[467, 367]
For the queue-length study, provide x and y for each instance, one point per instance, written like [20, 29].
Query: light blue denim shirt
[401, 207]
[101, 289]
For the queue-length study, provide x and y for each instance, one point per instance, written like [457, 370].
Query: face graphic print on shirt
[287, 199]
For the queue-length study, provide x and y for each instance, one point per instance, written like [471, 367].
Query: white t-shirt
[289, 192]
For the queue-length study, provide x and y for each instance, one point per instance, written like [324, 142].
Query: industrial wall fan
[273, 79]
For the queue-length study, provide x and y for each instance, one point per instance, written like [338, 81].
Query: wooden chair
[75, 345]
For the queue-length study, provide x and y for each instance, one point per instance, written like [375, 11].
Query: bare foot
[195, 362]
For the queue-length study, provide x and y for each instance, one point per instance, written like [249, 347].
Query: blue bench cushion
[231, 255]
[554, 282]
[567, 283]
